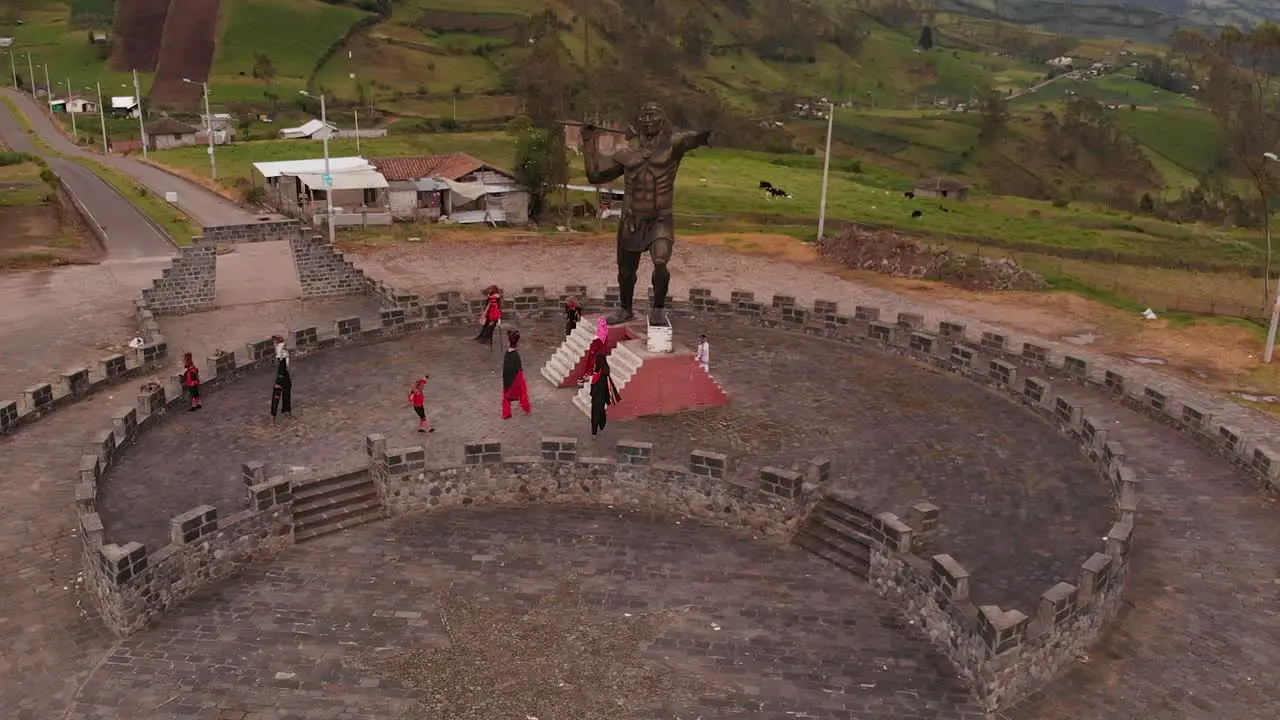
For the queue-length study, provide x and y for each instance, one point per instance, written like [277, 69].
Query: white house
[283, 194]
[76, 104]
[311, 130]
[124, 106]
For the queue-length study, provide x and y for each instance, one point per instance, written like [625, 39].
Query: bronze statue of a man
[648, 167]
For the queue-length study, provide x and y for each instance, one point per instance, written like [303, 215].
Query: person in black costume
[514, 386]
[603, 394]
[282, 392]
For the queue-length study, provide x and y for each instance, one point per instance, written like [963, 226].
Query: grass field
[719, 187]
[292, 33]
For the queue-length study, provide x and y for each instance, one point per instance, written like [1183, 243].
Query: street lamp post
[826, 169]
[328, 177]
[208, 116]
[75, 135]
[13, 69]
[142, 129]
[102, 117]
[31, 75]
[1270, 347]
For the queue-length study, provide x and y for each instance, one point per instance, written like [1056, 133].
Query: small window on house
[370, 196]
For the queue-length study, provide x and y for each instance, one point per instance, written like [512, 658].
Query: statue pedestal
[659, 339]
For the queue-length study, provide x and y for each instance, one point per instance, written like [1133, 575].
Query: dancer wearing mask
[603, 394]
[191, 379]
[572, 314]
[514, 387]
[282, 391]
[492, 315]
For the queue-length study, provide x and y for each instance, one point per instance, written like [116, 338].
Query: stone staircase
[623, 365]
[327, 505]
[571, 351]
[838, 533]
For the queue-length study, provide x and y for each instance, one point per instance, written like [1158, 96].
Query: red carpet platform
[569, 364]
[656, 383]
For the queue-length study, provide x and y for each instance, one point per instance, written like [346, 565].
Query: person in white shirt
[704, 353]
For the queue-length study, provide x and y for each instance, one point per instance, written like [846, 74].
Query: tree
[695, 37]
[1238, 82]
[926, 38]
[994, 113]
[265, 70]
[540, 165]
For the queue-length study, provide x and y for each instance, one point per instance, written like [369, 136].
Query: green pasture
[1189, 139]
[293, 33]
[720, 187]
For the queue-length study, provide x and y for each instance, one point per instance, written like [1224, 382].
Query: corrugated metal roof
[352, 180]
[311, 165]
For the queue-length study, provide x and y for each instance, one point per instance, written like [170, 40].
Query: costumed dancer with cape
[492, 315]
[514, 387]
[282, 391]
[572, 314]
[603, 394]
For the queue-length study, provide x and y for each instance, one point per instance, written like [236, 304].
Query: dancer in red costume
[572, 314]
[514, 387]
[594, 352]
[492, 315]
[191, 379]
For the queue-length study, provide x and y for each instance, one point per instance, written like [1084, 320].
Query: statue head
[652, 121]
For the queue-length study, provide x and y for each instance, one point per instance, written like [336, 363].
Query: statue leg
[628, 264]
[660, 253]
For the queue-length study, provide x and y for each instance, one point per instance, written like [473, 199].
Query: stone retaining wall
[187, 285]
[265, 231]
[322, 270]
[770, 507]
[1004, 654]
[485, 476]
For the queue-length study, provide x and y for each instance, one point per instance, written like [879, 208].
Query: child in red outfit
[191, 379]
[417, 398]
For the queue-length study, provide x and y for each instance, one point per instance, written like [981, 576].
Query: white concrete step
[570, 352]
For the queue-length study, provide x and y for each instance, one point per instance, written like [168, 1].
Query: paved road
[206, 207]
[129, 234]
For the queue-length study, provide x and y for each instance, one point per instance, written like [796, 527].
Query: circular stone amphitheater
[886, 520]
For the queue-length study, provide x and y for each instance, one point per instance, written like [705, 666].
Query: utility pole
[13, 68]
[102, 117]
[31, 76]
[75, 134]
[48, 91]
[826, 170]
[328, 176]
[356, 115]
[142, 130]
[208, 124]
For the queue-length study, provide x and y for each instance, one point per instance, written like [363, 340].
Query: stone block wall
[485, 474]
[322, 270]
[187, 285]
[265, 231]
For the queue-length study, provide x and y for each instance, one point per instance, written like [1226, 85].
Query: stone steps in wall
[327, 506]
[337, 521]
[836, 548]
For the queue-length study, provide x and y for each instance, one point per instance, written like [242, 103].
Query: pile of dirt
[898, 256]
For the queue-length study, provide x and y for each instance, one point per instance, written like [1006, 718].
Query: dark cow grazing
[916, 214]
[943, 209]
[765, 184]
[777, 192]
[909, 195]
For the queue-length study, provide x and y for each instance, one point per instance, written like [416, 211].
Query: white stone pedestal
[659, 340]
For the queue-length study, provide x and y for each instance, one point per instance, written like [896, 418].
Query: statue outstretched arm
[599, 170]
[688, 140]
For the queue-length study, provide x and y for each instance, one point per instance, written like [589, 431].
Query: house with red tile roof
[457, 188]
